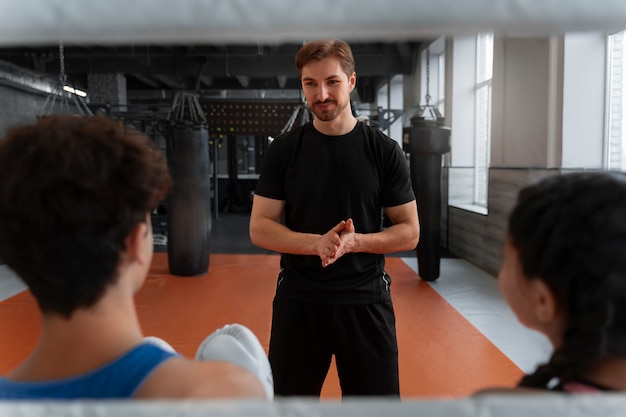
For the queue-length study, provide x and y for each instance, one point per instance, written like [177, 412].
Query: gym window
[616, 115]
[482, 134]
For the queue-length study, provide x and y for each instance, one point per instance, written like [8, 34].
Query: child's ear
[545, 303]
[135, 243]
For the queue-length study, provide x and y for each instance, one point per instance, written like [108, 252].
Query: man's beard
[328, 115]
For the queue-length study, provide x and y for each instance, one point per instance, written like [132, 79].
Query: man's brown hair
[316, 50]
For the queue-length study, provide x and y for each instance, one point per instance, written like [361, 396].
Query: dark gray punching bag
[189, 212]
[426, 141]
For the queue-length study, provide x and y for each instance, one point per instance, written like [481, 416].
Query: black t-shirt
[323, 180]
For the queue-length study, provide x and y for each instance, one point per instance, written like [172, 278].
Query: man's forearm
[396, 238]
[272, 235]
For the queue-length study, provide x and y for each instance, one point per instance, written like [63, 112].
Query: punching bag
[426, 141]
[189, 213]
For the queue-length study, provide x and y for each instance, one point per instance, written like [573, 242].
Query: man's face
[327, 88]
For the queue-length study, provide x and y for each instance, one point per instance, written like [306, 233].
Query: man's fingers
[340, 226]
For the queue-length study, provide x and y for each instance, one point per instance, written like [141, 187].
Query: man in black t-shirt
[330, 181]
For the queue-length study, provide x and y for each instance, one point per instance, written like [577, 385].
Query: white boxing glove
[235, 343]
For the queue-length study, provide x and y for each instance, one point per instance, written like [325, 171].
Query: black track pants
[362, 337]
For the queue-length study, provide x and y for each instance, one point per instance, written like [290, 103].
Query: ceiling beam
[146, 80]
[244, 80]
[169, 82]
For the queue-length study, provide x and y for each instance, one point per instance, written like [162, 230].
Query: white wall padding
[46, 22]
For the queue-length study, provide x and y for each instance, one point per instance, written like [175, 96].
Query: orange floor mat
[441, 353]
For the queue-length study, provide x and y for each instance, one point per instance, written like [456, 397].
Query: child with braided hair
[564, 275]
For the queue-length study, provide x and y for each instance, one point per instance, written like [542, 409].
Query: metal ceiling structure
[210, 67]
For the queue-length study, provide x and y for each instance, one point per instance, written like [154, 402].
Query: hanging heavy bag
[189, 212]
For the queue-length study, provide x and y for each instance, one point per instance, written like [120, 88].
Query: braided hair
[570, 231]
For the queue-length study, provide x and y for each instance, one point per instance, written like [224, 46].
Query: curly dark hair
[570, 231]
[71, 190]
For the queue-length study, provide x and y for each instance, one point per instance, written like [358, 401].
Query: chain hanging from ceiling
[428, 111]
[186, 107]
[59, 100]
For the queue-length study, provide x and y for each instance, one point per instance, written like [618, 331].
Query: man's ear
[136, 242]
[546, 309]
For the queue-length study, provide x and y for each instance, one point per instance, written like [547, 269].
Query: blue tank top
[118, 379]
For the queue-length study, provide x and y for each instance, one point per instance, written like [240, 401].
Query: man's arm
[267, 232]
[402, 235]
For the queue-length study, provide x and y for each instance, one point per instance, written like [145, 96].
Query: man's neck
[336, 127]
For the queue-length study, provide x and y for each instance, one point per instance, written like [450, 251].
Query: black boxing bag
[189, 211]
[426, 141]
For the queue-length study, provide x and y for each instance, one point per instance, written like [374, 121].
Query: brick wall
[107, 89]
[18, 107]
[478, 238]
